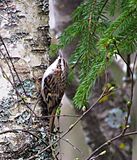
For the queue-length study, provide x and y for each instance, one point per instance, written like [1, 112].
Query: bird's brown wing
[50, 94]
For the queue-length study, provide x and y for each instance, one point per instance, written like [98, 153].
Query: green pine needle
[98, 35]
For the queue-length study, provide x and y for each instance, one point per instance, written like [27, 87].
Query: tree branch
[70, 128]
[12, 65]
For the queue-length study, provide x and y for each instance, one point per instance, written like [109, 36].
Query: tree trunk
[24, 46]
[60, 18]
[134, 122]
[94, 131]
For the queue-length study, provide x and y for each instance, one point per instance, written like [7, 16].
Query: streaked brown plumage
[53, 86]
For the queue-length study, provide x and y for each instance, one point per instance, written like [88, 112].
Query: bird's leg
[58, 116]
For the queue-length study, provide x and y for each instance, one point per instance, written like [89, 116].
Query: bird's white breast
[49, 71]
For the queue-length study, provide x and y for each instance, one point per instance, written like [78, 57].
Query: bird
[53, 86]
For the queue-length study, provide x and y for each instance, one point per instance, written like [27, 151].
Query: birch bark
[24, 46]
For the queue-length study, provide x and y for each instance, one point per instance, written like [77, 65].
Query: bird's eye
[59, 60]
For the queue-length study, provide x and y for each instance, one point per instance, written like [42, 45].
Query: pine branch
[96, 34]
[83, 91]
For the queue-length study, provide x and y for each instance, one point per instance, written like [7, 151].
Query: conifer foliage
[103, 28]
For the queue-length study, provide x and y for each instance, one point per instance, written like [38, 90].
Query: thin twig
[74, 147]
[123, 132]
[13, 65]
[8, 66]
[62, 115]
[71, 69]
[63, 139]
[128, 62]
[21, 130]
[4, 17]
[134, 64]
[17, 92]
[70, 128]
[109, 142]
[96, 24]
[99, 155]
[103, 145]
[129, 104]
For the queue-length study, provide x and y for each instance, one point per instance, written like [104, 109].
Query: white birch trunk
[25, 34]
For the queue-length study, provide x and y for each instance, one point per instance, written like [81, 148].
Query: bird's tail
[44, 108]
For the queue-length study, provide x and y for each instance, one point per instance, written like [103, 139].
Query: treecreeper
[53, 87]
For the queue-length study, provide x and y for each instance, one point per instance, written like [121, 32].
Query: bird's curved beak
[60, 54]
